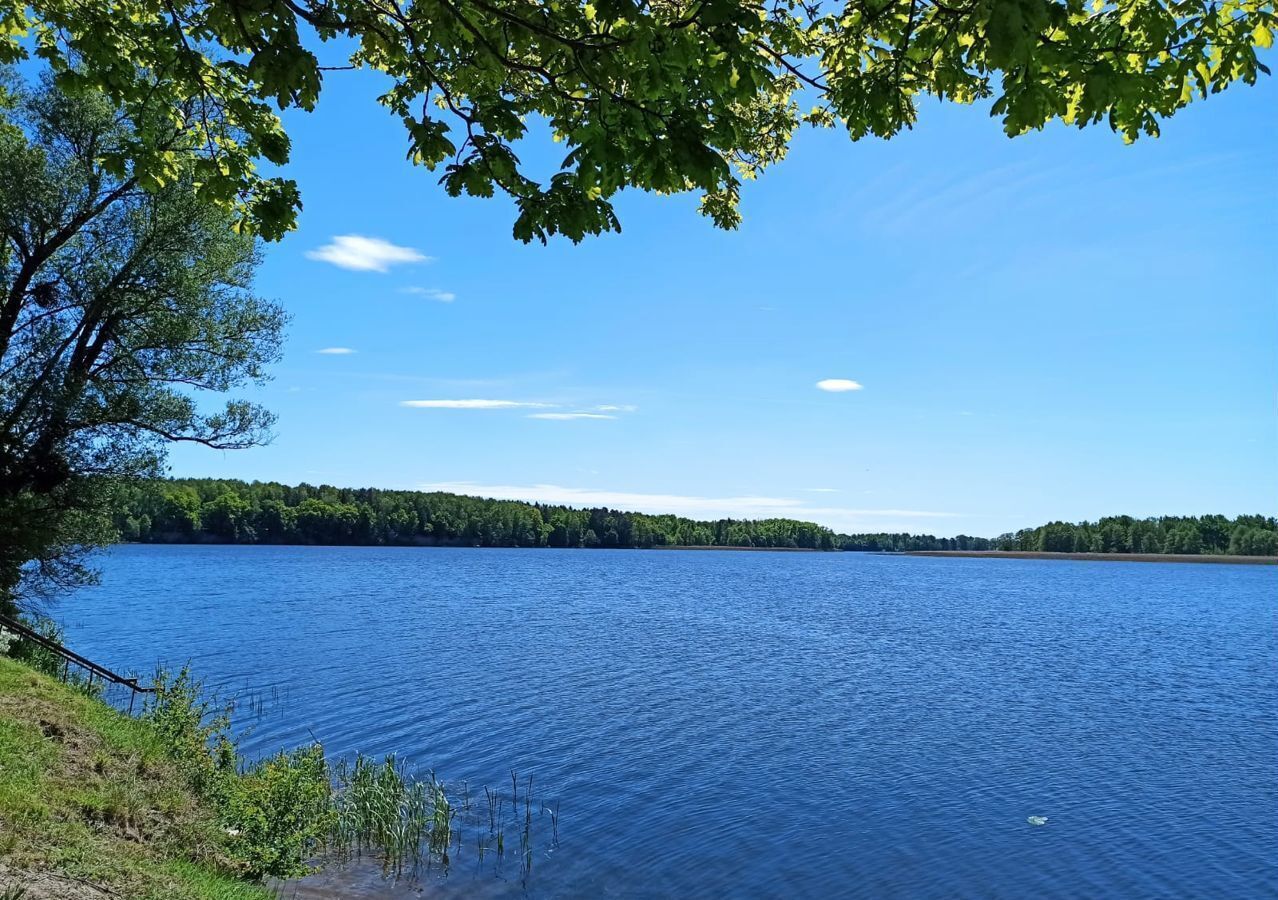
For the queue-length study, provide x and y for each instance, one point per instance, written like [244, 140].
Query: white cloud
[430, 293]
[894, 513]
[838, 385]
[595, 412]
[838, 518]
[336, 351]
[822, 490]
[471, 404]
[669, 503]
[365, 254]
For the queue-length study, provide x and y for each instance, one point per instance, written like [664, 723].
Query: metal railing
[70, 656]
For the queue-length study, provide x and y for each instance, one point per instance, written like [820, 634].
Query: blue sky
[1053, 327]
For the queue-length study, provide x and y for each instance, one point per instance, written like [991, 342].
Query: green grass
[90, 794]
[162, 805]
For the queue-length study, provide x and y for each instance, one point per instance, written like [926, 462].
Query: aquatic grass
[414, 823]
[274, 818]
[554, 822]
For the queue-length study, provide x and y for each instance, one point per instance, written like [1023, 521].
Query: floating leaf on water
[1037, 820]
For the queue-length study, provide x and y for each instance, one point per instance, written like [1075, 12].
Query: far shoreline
[444, 546]
[1212, 558]
[727, 547]
[1216, 558]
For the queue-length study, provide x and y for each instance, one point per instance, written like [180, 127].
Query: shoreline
[725, 547]
[1214, 558]
[1210, 558]
[445, 546]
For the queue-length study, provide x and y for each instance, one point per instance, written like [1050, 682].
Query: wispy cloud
[671, 503]
[888, 209]
[336, 351]
[365, 254]
[838, 385]
[821, 490]
[473, 404]
[604, 411]
[750, 507]
[430, 293]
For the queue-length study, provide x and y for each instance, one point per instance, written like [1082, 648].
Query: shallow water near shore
[760, 724]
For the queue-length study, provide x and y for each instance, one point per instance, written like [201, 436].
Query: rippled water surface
[765, 724]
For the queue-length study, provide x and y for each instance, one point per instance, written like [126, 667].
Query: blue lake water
[764, 724]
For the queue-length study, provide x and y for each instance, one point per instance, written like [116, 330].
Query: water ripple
[763, 725]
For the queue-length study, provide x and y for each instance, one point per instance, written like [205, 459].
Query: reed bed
[414, 824]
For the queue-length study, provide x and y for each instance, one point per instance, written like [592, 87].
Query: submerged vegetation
[413, 824]
[163, 806]
[219, 511]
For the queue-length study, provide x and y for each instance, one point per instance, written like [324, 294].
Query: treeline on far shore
[186, 510]
[1192, 535]
[205, 510]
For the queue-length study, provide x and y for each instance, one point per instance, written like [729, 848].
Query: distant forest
[1243, 536]
[206, 510]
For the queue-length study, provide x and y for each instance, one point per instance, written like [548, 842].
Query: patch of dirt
[22, 707]
[47, 886]
[75, 744]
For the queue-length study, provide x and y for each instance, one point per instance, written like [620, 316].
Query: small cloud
[821, 490]
[336, 351]
[430, 294]
[563, 417]
[365, 254]
[612, 407]
[838, 385]
[471, 404]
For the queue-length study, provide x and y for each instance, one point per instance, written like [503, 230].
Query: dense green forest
[212, 510]
[269, 513]
[1243, 536]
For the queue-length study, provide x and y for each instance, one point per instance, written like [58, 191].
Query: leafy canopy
[122, 306]
[663, 95]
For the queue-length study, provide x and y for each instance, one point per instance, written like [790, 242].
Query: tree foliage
[220, 511]
[185, 510]
[1241, 536]
[661, 95]
[119, 307]
[904, 542]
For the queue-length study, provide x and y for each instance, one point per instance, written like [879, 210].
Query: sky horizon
[949, 332]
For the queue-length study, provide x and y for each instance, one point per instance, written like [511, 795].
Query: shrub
[276, 812]
[37, 656]
[280, 811]
[195, 738]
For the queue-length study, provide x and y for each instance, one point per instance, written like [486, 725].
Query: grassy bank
[95, 804]
[92, 804]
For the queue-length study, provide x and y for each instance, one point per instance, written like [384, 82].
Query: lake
[762, 724]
